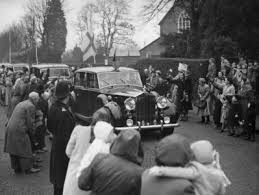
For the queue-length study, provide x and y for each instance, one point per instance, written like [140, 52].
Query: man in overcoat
[60, 123]
[19, 130]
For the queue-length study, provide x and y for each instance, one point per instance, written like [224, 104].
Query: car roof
[100, 69]
[50, 66]
[17, 65]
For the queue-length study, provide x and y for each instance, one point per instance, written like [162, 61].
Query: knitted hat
[102, 130]
[115, 109]
[203, 151]
[173, 150]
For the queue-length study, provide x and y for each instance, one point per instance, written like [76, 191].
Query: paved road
[239, 158]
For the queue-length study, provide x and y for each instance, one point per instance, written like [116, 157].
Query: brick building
[175, 20]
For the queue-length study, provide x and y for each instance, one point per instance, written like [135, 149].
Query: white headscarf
[102, 132]
[205, 154]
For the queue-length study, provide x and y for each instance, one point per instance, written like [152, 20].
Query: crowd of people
[228, 96]
[177, 89]
[94, 160]
[27, 99]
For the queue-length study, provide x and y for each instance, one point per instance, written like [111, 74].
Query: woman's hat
[173, 150]
[158, 72]
[203, 151]
[102, 130]
[114, 109]
[202, 80]
[62, 90]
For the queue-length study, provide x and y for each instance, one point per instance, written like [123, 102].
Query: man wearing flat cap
[60, 123]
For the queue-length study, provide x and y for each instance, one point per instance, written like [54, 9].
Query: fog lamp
[166, 120]
[162, 102]
[130, 104]
[129, 122]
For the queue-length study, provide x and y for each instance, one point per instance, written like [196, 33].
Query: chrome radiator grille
[145, 108]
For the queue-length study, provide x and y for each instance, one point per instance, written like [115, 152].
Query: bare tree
[109, 18]
[37, 11]
[152, 8]
[85, 23]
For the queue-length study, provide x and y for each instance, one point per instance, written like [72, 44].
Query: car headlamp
[130, 104]
[162, 102]
[166, 120]
[129, 122]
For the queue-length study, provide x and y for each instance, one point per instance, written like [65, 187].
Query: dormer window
[183, 22]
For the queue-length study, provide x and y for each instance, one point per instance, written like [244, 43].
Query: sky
[13, 10]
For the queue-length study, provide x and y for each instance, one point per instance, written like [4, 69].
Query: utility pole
[36, 52]
[10, 48]
[35, 41]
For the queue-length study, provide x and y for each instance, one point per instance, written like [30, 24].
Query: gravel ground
[239, 158]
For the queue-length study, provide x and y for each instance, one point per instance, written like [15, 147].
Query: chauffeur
[60, 123]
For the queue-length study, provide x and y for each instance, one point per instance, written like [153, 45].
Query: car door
[81, 94]
[93, 92]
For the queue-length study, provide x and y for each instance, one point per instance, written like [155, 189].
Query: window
[119, 78]
[80, 79]
[92, 80]
[183, 22]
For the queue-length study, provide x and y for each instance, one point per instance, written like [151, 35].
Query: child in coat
[205, 172]
[104, 136]
[234, 116]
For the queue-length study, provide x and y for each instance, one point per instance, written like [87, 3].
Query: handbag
[201, 104]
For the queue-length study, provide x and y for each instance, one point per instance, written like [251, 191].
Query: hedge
[198, 67]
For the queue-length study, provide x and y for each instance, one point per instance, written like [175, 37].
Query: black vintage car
[54, 71]
[139, 109]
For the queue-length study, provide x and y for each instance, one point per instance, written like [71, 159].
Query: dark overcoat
[21, 123]
[60, 123]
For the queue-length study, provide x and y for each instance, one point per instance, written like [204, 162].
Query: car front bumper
[149, 127]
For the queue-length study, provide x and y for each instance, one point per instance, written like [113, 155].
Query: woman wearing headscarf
[19, 90]
[219, 80]
[77, 146]
[173, 150]
[211, 69]
[103, 133]
[228, 89]
[117, 173]
[210, 77]
[179, 80]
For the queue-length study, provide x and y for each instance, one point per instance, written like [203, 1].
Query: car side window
[80, 79]
[91, 80]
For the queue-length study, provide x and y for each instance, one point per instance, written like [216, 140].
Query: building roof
[104, 69]
[50, 66]
[150, 44]
[166, 15]
[124, 52]
[17, 65]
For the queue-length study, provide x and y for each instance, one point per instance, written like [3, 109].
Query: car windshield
[18, 68]
[57, 72]
[119, 78]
